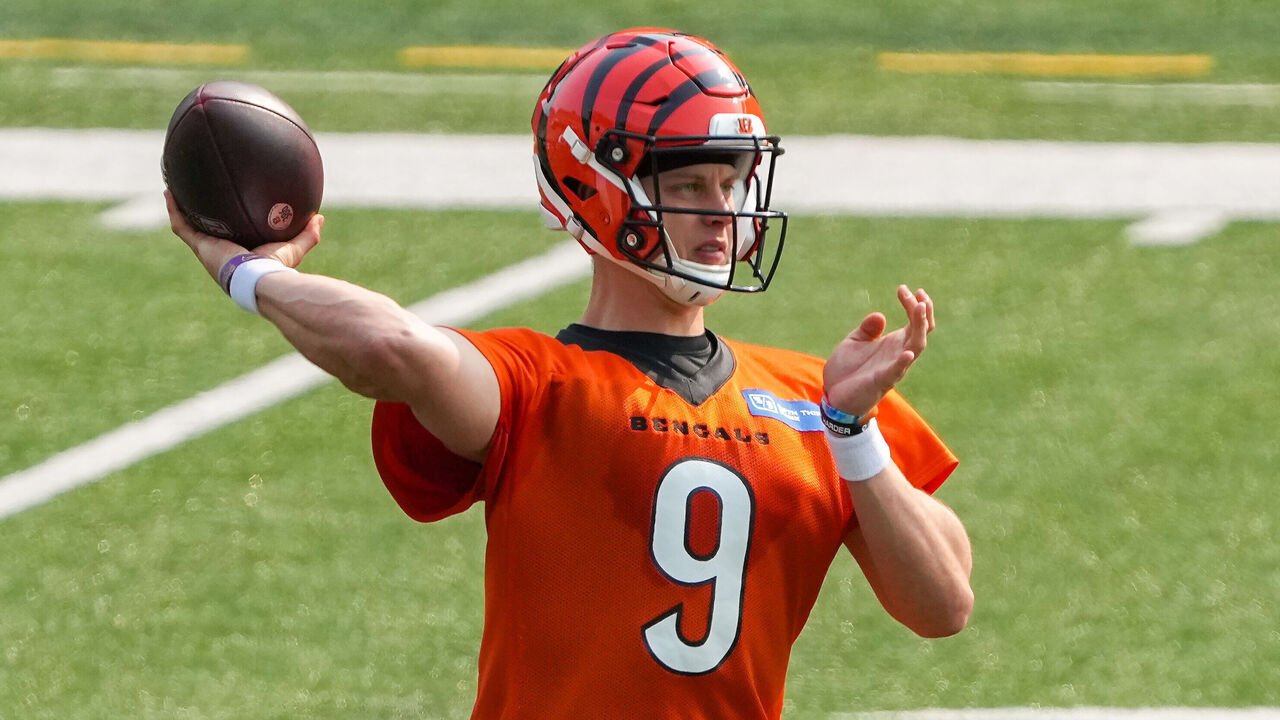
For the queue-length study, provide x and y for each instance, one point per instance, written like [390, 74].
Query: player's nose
[718, 201]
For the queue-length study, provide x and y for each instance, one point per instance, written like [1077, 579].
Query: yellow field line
[483, 56]
[102, 50]
[1046, 64]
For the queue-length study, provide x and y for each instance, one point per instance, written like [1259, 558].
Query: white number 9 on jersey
[724, 569]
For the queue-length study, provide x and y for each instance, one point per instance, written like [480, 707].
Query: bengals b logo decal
[736, 124]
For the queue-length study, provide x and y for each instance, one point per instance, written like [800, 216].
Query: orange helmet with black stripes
[635, 103]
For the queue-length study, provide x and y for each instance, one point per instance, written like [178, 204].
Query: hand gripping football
[241, 164]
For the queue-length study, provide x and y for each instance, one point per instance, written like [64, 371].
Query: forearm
[363, 338]
[915, 553]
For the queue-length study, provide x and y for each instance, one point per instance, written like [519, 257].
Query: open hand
[214, 251]
[867, 363]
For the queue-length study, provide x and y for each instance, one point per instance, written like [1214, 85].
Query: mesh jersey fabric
[645, 557]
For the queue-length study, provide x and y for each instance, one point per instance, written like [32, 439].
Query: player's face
[704, 239]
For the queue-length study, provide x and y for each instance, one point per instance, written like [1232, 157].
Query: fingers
[177, 221]
[898, 370]
[213, 251]
[920, 321]
[909, 300]
[920, 318]
[923, 297]
[291, 252]
[860, 391]
[917, 320]
[868, 363]
[887, 377]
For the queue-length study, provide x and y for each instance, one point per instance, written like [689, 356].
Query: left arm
[913, 549]
[914, 552]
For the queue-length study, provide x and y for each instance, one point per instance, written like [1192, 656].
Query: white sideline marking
[1075, 713]
[841, 174]
[269, 385]
[1176, 227]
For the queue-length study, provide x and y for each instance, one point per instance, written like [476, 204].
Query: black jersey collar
[693, 367]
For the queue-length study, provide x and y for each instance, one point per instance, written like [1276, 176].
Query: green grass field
[1113, 406]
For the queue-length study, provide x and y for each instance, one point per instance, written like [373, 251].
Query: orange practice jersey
[646, 558]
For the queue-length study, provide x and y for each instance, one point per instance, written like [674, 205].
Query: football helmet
[635, 103]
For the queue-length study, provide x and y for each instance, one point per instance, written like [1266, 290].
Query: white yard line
[840, 175]
[1176, 227]
[950, 177]
[269, 385]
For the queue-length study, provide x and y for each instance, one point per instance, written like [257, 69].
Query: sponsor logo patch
[802, 415]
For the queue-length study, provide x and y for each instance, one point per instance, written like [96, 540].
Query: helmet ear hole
[582, 190]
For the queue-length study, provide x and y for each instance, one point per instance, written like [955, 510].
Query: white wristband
[862, 456]
[244, 282]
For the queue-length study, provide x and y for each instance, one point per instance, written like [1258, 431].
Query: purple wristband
[229, 268]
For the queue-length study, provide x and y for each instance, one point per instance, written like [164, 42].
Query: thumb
[291, 252]
[870, 328]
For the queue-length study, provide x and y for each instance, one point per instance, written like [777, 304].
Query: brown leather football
[242, 164]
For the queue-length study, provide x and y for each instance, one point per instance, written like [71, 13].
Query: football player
[662, 503]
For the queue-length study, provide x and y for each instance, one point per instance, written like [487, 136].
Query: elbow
[950, 619]
[947, 618]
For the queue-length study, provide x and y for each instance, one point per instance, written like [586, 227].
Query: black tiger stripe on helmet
[598, 76]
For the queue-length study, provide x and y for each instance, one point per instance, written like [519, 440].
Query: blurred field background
[1113, 406]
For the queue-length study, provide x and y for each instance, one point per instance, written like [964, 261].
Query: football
[241, 164]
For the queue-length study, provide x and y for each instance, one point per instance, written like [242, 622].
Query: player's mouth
[711, 252]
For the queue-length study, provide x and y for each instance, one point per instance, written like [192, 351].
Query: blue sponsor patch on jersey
[803, 415]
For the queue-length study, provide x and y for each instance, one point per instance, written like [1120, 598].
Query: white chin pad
[687, 292]
[710, 276]
[709, 285]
